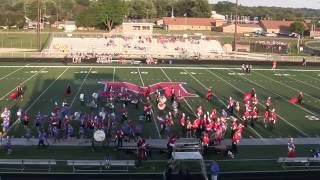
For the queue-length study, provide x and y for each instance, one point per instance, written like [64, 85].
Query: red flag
[294, 100]
[14, 95]
[247, 96]
[168, 92]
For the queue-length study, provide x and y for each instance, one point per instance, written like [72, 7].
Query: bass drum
[161, 106]
[99, 135]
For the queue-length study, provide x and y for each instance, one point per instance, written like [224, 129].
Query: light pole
[38, 26]
[235, 28]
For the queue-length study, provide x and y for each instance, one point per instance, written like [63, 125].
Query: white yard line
[79, 89]
[12, 72]
[167, 67]
[313, 113]
[223, 103]
[43, 92]
[154, 119]
[305, 134]
[308, 76]
[305, 84]
[114, 73]
[22, 83]
[190, 107]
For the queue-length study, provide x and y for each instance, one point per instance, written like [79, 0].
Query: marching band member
[213, 115]
[253, 92]
[119, 137]
[274, 65]
[209, 95]
[67, 91]
[291, 148]
[254, 116]
[19, 90]
[246, 117]
[5, 115]
[300, 98]
[266, 118]
[268, 104]
[189, 128]
[273, 116]
[205, 140]
[199, 111]
[254, 99]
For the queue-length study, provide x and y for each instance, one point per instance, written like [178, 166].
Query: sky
[314, 4]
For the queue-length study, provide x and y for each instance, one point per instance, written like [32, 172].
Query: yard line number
[312, 118]
[285, 75]
[86, 72]
[33, 72]
[236, 74]
[142, 72]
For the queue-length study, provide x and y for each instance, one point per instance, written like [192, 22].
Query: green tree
[297, 27]
[192, 8]
[111, 12]
[142, 9]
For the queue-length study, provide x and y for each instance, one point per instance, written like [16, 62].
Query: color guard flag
[168, 92]
[14, 95]
[294, 100]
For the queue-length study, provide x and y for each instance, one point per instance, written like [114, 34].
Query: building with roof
[187, 23]
[315, 33]
[70, 26]
[276, 26]
[137, 28]
[242, 28]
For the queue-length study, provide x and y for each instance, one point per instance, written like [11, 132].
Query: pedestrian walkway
[162, 143]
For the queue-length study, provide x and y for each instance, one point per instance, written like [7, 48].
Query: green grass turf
[45, 88]
[22, 40]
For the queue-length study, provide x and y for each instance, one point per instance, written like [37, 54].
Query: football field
[46, 84]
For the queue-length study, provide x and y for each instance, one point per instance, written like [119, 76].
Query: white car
[270, 34]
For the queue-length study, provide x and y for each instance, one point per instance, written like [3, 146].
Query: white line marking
[316, 114]
[167, 67]
[183, 98]
[43, 92]
[140, 77]
[12, 73]
[154, 119]
[223, 103]
[316, 79]
[114, 73]
[307, 85]
[79, 89]
[305, 134]
[21, 84]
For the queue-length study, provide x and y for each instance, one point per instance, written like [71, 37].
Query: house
[187, 23]
[70, 26]
[241, 28]
[315, 33]
[137, 28]
[278, 27]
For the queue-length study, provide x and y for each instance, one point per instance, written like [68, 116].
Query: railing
[136, 54]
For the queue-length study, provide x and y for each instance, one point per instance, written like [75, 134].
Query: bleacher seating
[100, 165]
[23, 164]
[299, 162]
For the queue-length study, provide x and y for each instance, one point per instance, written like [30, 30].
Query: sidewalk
[162, 143]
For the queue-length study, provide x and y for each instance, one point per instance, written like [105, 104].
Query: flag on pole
[294, 100]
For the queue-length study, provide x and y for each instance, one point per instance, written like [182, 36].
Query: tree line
[105, 14]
